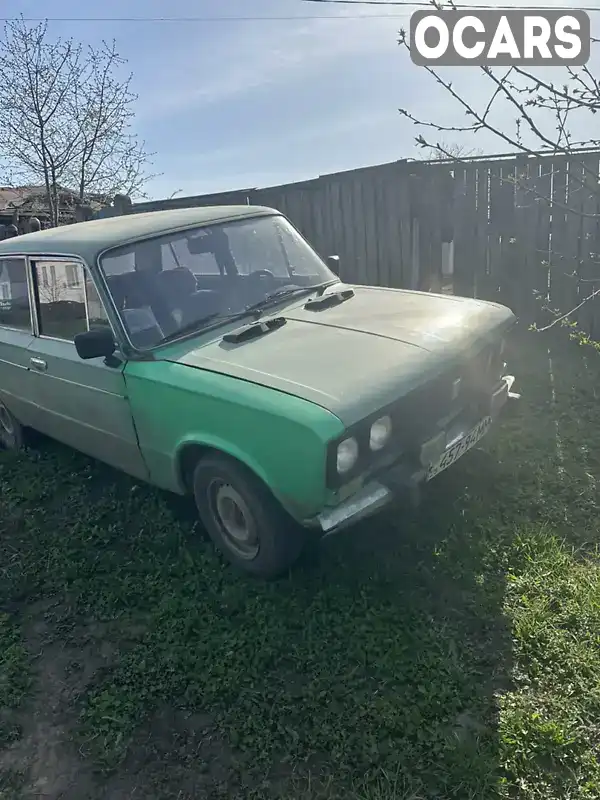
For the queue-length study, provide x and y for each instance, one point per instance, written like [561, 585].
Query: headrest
[177, 282]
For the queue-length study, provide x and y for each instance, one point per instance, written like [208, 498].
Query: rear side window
[14, 297]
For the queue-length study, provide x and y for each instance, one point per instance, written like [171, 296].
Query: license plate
[459, 448]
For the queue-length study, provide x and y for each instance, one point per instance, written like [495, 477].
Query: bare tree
[53, 292]
[541, 110]
[110, 158]
[454, 151]
[65, 117]
[529, 114]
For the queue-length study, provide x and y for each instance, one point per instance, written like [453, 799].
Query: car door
[82, 403]
[16, 336]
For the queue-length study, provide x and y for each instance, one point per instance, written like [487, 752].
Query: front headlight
[381, 430]
[347, 455]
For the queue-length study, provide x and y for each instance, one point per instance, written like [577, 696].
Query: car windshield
[202, 276]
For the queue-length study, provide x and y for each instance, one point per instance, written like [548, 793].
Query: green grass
[14, 675]
[14, 685]
[448, 653]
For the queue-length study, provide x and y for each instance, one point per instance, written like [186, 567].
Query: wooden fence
[521, 230]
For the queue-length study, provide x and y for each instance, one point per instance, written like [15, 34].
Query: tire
[246, 523]
[11, 430]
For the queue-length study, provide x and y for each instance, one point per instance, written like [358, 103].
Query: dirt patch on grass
[176, 755]
[46, 754]
[173, 755]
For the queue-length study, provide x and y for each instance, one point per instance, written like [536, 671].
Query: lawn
[452, 652]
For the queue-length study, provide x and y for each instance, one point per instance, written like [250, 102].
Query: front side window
[61, 299]
[185, 280]
[14, 296]
[68, 301]
[73, 276]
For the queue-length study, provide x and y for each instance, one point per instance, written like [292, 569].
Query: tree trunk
[82, 183]
[55, 217]
[49, 198]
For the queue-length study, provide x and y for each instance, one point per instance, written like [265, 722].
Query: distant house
[19, 203]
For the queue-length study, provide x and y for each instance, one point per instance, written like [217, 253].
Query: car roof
[89, 239]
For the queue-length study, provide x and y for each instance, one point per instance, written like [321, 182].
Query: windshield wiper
[278, 294]
[202, 323]
[255, 310]
[328, 300]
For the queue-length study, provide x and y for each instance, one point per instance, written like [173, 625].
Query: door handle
[39, 364]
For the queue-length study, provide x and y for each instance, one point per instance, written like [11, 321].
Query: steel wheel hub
[235, 520]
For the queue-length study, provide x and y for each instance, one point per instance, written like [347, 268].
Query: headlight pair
[348, 450]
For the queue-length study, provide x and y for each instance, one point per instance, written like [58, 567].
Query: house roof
[12, 196]
[89, 239]
[33, 197]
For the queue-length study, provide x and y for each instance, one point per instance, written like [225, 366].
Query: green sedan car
[212, 352]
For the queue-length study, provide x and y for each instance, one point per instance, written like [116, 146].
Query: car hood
[360, 355]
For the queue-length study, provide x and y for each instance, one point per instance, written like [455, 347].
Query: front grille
[417, 415]
[483, 371]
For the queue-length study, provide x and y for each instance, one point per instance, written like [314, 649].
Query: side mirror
[96, 343]
[333, 262]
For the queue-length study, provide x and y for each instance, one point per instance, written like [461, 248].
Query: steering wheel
[251, 282]
[261, 273]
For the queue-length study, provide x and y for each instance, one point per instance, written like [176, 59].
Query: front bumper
[406, 479]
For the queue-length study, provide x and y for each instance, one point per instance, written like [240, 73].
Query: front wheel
[11, 431]
[243, 519]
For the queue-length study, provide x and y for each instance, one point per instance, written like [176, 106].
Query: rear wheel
[11, 431]
[243, 519]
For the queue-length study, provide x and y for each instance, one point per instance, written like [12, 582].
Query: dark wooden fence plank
[436, 188]
[560, 285]
[480, 244]
[495, 245]
[573, 255]
[542, 190]
[589, 266]
[594, 264]
[463, 229]
[402, 192]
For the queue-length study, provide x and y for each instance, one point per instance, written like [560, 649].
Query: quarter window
[14, 297]
[97, 317]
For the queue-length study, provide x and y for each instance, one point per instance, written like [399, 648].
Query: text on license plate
[458, 449]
